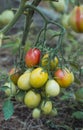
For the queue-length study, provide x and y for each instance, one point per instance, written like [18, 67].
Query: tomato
[20, 96]
[6, 17]
[46, 107]
[11, 89]
[65, 20]
[14, 74]
[64, 77]
[53, 63]
[32, 99]
[52, 88]
[36, 113]
[76, 19]
[32, 57]
[54, 112]
[38, 77]
[60, 6]
[24, 81]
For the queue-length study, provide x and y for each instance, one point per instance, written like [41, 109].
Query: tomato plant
[76, 19]
[64, 77]
[32, 57]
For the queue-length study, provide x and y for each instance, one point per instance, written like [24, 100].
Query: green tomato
[6, 17]
[52, 88]
[53, 112]
[11, 89]
[46, 107]
[36, 113]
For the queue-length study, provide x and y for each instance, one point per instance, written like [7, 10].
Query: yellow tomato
[11, 89]
[24, 81]
[46, 107]
[38, 77]
[32, 99]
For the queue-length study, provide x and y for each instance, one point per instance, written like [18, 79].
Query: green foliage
[78, 114]
[8, 109]
[79, 95]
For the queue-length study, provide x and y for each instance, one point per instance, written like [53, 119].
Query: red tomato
[64, 77]
[32, 57]
[76, 19]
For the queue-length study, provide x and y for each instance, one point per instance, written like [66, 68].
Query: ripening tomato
[32, 99]
[64, 77]
[32, 57]
[14, 74]
[76, 19]
[52, 88]
[38, 77]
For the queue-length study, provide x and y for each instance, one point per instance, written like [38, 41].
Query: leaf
[79, 95]
[3, 88]
[8, 109]
[78, 115]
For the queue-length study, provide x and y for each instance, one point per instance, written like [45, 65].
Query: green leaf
[8, 109]
[3, 88]
[79, 95]
[78, 115]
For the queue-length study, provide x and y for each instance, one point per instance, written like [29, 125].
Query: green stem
[29, 20]
[16, 17]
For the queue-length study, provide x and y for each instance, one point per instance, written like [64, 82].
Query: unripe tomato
[32, 99]
[38, 77]
[52, 88]
[36, 113]
[76, 19]
[6, 17]
[45, 61]
[46, 107]
[64, 77]
[14, 75]
[60, 6]
[65, 20]
[11, 89]
[20, 96]
[54, 112]
[24, 81]
[32, 57]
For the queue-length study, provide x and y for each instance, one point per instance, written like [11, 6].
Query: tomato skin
[76, 19]
[64, 77]
[36, 113]
[38, 77]
[32, 57]
[65, 20]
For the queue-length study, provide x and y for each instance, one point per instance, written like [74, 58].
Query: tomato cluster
[39, 83]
